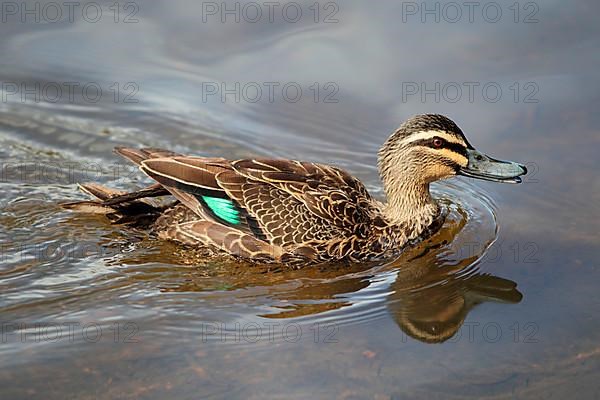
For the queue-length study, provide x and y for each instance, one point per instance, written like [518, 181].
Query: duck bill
[487, 168]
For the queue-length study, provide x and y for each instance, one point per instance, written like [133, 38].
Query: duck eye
[437, 143]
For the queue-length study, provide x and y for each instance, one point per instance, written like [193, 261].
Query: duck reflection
[428, 291]
[428, 294]
[428, 306]
[434, 313]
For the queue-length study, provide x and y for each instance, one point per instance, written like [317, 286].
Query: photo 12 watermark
[269, 12]
[268, 332]
[269, 92]
[35, 172]
[69, 250]
[43, 12]
[470, 12]
[470, 92]
[68, 92]
[491, 332]
[69, 332]
[527, 252]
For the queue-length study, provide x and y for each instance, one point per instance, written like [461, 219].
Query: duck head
[430, 147]
[427, 148]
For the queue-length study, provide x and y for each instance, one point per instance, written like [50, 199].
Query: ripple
[99, 263]
[171, 282]
[444, 269]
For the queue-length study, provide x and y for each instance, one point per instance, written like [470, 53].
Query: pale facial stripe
[457, 158]
[424, 135]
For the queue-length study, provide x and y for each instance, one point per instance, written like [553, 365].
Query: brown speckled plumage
[297, 212]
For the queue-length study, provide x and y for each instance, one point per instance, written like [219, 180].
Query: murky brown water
[501, 303]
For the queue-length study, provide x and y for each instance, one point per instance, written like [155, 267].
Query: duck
[299, 212]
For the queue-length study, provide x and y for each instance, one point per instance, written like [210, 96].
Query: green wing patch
[223, 208]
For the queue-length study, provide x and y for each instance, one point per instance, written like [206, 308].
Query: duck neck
[409, 202]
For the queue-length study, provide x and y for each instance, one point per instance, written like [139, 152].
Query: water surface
[501, 303]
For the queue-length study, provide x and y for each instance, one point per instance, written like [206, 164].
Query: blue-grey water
[501, 303]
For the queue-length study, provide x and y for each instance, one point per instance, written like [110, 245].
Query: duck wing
[282, 202]
[323, 194]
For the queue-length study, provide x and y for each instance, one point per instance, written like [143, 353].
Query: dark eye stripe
[455, 147]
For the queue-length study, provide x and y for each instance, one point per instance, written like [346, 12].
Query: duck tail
[101, 193]
[131, 208]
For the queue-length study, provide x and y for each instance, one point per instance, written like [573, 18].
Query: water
[502, 302]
